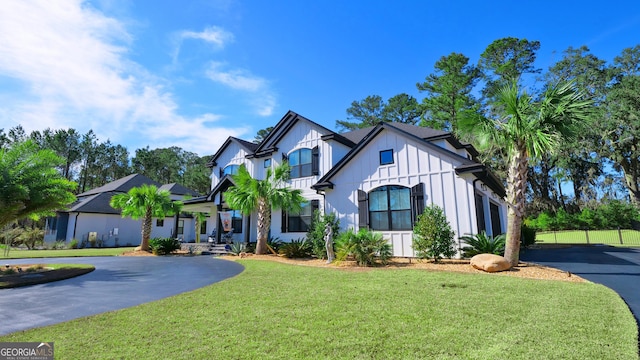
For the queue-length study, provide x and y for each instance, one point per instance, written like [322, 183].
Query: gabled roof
[420, 131]
[97, 200]
[177, 189]
[417, 133]
[122, 185]
[268, 145]
[96, 203]
[225, 182]
[249, 146]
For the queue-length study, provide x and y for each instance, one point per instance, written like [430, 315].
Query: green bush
[237, 248]
[275, 243]
[163, 246]
[296, 249]
[365, 247]
[315, 236]
[483, 244]
[73, 244]
[433, 236]
[528, 236]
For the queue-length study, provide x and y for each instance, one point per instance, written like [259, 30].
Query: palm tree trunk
[264, 223]
[146, 230]
[516, 187]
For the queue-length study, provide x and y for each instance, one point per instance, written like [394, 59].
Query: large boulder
[490, 263]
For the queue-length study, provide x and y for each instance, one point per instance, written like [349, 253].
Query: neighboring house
[91, 218]
[379, 178]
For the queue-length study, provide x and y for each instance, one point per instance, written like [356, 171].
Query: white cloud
[212, 34]
[262, 98]
[70, 69]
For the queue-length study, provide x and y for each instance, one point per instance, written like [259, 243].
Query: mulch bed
[39, 276]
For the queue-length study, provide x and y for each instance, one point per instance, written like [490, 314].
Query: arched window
[390, 208]
[230, 170]
[300, 162]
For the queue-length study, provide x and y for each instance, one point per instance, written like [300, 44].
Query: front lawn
[609, 237]
[280, 311]
[28, 254]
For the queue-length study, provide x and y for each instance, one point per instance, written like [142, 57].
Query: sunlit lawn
[610, 237]
[280, 311]
[19, 254]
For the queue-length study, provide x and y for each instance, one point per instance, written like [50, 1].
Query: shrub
[275, 243]
[73, 244]
[296, 249]
[483, 244]
[237, 248]
[315, 236]
[365, 246]
[163, 246]
[527, 236]
[433, 236]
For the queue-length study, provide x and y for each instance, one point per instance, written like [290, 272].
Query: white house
[379, 178]
[91, 218]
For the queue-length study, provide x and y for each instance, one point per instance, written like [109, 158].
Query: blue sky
[190, 73]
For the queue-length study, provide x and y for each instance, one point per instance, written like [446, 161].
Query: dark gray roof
[268, 145]
[420, 131]
[97, 200]
[122, 185]
[249, 146]
[177, 189]
[97, 203]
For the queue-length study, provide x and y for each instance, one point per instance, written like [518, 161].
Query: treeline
[600, 162]
[92, 163]
[614, 214]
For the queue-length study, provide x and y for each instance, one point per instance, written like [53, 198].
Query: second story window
[300, 162]
[230, 170]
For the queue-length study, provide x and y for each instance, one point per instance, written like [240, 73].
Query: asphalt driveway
[616, 268]
[117, 282]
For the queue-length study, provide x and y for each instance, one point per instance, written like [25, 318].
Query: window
[480, 213]
[236, 221]
[496, 224]
[180, 227]
[203, 227]
[300, 162]
[390, 208]
[159, 222]
[267, 163]
[300, 222]
[386, 157]
[231, 170]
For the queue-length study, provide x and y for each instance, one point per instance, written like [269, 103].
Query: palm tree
[30, 184]
[250, 194]
[198, 219]
[526, 129]
[145, 202]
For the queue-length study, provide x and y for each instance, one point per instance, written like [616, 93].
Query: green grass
[28, 254]
[610, 237]
[279, 311]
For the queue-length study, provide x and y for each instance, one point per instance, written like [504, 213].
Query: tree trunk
[146, 230]
[264, 223]
[516, 186]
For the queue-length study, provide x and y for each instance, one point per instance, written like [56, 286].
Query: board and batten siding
[414, 163]
[234, 154]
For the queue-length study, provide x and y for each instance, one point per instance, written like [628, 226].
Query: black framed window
[236, 221]
[203, 227]
[390, 208]
[267, 163]
[231, 170]
[159, 222]
[180, 227]
[386, 157]
[300, 222]
[300, 162]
